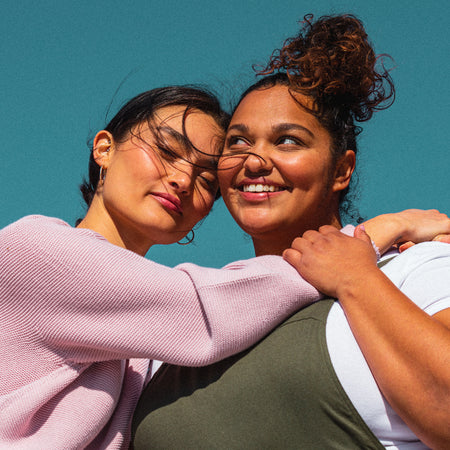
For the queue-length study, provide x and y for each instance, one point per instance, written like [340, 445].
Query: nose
[258, 161]
[180, 177]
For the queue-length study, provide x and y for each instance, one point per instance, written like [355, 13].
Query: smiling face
[157, 189]
[277, 174]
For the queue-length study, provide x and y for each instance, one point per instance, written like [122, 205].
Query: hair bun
[332, 60]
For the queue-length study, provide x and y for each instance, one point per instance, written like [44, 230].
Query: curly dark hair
[332, 61]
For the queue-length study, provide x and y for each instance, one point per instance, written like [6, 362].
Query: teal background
[63, 64]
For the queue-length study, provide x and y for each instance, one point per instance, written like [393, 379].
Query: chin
[258, 227]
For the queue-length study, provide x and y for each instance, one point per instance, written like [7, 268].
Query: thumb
[360, 233]
[405, 246]
[293, 257]
[442, 238]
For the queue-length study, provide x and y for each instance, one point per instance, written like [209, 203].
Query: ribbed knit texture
[80, 318]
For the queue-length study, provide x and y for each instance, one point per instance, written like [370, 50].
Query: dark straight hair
[142, 108]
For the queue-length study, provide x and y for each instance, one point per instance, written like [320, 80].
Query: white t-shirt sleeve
[423, 274]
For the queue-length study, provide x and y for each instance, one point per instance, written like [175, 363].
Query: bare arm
[407, 350]
[408, 227]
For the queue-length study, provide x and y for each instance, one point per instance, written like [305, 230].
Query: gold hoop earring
[101, 175]
[189, 240]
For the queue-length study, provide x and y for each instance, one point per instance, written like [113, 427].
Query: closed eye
[167, 153]
[208, 180]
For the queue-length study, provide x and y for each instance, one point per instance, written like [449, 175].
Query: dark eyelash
[210, 183]
[296, 141]
[233, 139]
[291, 138]
[167, 152]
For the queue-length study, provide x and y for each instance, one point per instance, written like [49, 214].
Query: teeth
[260, 188]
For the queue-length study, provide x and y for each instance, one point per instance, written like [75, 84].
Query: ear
[102, 145]
[344, 170]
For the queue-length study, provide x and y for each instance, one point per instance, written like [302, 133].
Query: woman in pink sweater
[82, 311]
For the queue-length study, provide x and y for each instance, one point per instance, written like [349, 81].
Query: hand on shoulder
[329, 260]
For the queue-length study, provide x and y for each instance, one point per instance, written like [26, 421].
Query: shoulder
[35, 237]
[33, 223]
[422, 273]
[36, 232]
[41, 226]
[420, 257]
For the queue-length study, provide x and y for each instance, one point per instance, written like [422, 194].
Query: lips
[169, 201]
[259, 186]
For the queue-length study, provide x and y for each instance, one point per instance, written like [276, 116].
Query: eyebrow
[291, 126]
[239, 127]
[179, 137]
[210, 162]
[275, 128]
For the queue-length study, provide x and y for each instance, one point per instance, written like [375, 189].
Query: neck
[98, 219]
[274, 243]
[264, 246]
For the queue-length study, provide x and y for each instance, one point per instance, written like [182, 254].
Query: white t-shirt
[423, 274]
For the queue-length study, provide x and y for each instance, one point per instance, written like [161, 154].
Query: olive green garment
[281, 394]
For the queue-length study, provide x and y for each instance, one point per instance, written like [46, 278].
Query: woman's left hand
[439, 238]
[407, 227]
[331, 260]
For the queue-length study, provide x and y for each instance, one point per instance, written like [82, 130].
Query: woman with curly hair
[368, 370]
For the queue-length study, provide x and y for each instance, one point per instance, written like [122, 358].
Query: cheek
[137, 164]
[307, 171]
[228, 168]
[203, 202]
[149, 165]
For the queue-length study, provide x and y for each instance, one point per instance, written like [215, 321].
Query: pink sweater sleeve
[88, 300]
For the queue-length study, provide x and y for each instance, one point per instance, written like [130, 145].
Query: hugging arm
[408, 227]
[91, 300]
[408, 350]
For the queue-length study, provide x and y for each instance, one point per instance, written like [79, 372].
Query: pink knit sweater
[80, 318]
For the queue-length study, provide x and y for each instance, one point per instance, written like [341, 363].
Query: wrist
[357, 286]
[386, 230]
[399, 227]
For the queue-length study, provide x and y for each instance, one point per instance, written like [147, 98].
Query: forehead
[184, 128]
[273, 106]
[193, 121]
